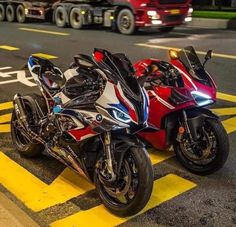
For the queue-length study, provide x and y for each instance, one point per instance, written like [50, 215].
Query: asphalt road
[49, 193]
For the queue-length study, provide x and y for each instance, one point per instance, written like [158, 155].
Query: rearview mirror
[208, 56]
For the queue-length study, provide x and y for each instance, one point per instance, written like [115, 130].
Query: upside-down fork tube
[22, 118]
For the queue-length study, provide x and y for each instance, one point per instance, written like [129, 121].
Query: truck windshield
[193, 65]
[172, 1]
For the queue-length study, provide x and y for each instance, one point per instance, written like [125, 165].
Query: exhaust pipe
[20, 111]
[22, 118]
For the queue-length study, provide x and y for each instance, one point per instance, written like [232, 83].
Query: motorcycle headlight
[120, 116]
[201, 98]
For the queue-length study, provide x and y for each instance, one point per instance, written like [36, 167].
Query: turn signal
[173, 54]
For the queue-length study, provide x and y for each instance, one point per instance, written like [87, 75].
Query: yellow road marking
[198, 52]
[34, 193]
[159, 156]
[47, 56]
[230, 125]
[164, 189]
[6, 106]
[5, 128]
[44, 31]
[5, 118]
[226, 97]
[10, 48]
[225, 111]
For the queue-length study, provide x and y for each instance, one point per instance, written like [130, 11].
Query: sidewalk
[213, 23]
[11, 215]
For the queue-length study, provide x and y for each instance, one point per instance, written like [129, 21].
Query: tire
[166, 29]
[20, 14]
[2, 12]
[11, 13]
[126, 22]
[221, 153]
[60, 17]
[26, 148]
[76, 18]
[144, 187]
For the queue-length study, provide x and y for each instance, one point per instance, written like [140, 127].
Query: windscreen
[193, 65]
[119, 68]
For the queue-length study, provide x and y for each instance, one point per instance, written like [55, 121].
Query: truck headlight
[151, 13]
[190, 10]
[201, 99]
[120, 116]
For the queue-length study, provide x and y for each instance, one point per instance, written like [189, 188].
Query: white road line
[5, 68]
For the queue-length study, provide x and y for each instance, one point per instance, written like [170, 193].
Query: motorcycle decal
[162, 100]
[82, 134]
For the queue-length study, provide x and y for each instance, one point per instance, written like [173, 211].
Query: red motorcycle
[179, 91]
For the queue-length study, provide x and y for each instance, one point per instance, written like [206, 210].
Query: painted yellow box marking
[164, 189]
[33, 192]
[10, 48]
[157, 156]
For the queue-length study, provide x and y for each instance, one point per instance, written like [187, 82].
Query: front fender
[121, 144]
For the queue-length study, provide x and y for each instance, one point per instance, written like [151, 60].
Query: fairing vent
[178, 98]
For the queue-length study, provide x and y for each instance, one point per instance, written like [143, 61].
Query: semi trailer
[126, 16]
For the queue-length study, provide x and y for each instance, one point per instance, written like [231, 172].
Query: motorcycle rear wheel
[219, 150]
[139, 178]
[24, 146]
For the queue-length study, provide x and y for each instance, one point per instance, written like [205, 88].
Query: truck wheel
[76, 18]
[60, 17]
[20, 14]
[126, 22]
[2, 12]
[166, 29]
[11, 13]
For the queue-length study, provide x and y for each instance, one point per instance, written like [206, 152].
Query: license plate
[174, 11]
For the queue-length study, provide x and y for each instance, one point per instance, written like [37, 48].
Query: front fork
[107, 142]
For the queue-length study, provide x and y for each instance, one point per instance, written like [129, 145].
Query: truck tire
[2, 12]
[60, 17]
[126, 22]
[11, 13]
[76, 18]
[20, 14]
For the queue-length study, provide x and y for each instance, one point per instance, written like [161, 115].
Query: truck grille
[173, 1]
[173, 18]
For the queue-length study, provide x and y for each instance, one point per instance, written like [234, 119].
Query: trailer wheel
[20, 14]
[126, 22]
[2, 12]
[76, 18]
[60, 17]
[11, 13]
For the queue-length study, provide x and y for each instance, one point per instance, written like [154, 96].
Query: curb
[213, 23]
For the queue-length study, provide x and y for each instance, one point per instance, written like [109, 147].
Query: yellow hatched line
[5, 128]
[44, 31]
[159, 156]
[47, 56]
[10, 48]
[164, 189]
[225, 111]
[230, 125]
[226, 97]
[6, 106]
[33, 192]
[5, 118]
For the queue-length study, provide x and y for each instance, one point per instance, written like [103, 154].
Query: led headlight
[201, 98]
[120, 116]
[190, 11]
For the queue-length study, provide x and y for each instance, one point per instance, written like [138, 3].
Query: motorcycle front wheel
[132, 188]
[209, 153]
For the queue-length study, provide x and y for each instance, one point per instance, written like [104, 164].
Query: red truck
[126, 16]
